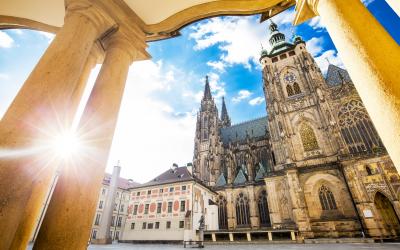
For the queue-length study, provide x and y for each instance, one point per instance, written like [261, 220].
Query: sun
[66, 145]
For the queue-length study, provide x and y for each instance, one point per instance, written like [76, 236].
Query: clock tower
[299, 116]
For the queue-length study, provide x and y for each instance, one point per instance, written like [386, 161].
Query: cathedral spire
[207, 91]
[226, 121]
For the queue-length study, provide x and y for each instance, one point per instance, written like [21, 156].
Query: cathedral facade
[314, 164]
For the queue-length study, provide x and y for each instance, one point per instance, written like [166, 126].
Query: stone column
[372, 58]
[273, 202]
[34, 208]
[300, 212]
[103, 235]
[40, 109]
[230, 209]
[75, 197]
[254, 218]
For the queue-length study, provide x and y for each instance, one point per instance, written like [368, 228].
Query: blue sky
[157, 119]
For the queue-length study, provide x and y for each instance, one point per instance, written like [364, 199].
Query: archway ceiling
[158, 18]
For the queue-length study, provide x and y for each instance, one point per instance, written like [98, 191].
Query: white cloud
[150, 134]
[315, 45]
[4, 76]
[367, 2]
[47, 35]
[5, 40]
[238, 38]
[332, 57]
[216, 86]
[316, 23]
[242, 95]
[217, 65]
[256, 101]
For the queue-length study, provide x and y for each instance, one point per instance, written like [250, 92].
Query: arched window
[289, 90]
[369, 170]
[357, 129]
[296, 88]
[222, 218]
[242, 211]
[326, 198]
[308, 138]
[263, 209]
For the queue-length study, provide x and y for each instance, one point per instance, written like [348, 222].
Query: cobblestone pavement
[375, 246]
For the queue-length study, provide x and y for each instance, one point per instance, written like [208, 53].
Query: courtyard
[256, 247]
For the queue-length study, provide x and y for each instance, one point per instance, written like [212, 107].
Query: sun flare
[66, 144]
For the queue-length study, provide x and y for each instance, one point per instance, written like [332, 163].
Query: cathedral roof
[336, 75]
[253, 128]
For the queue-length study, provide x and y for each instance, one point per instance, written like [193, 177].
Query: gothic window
[308, 138]
[326, 198]
[242, 211]
[222, 216]
[205, 121]
[296, 88]
[262, 157]
[263, 209]
[357, 129]
[205, 134]
[289, 90]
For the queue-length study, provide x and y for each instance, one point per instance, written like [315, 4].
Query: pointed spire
[226, 121]
[207, 91]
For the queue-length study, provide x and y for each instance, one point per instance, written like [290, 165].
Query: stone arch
[336, 186]
[222, 212]
[263, 209]
[389, 219]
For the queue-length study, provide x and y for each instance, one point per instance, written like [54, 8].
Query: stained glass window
[308, 138]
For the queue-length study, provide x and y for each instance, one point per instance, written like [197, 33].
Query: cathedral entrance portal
[390, 221]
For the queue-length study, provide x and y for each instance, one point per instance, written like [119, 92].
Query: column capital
[101, 20]
[305, 9]
[135, 49]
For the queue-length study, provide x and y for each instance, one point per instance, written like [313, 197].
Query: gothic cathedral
[315, 163]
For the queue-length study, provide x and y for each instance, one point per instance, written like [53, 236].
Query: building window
[159, 207]
[168, 225]
[111, 234]
[171, 189]
[97, 221]
[183, 188]
[296, 88]
[289, 90]
[101, 205]
[274, 59]
[132, 225]
[149, 192]
[146, 209]
[119, 222]
[369, 170]
[183, 206]
[170, 207]
[357, 129]
[94, 233]
[150, 226]
[181, 224]
[144, 225]
[263, 209]
[242, 211]
[115, 206]
[113, 221]
[292, 53]
[157, 225]
[326, 199]
[135, 209]
[161, 190]
[103, 191]
[121, 208]
[283, 56]
[308, 138]
[138, 193]
[222, 218]
[117, 235]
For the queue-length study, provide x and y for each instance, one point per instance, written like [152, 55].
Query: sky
[156, 124]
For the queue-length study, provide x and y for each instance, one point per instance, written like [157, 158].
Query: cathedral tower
[206, 139]
[225, 120]
[299, 117]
